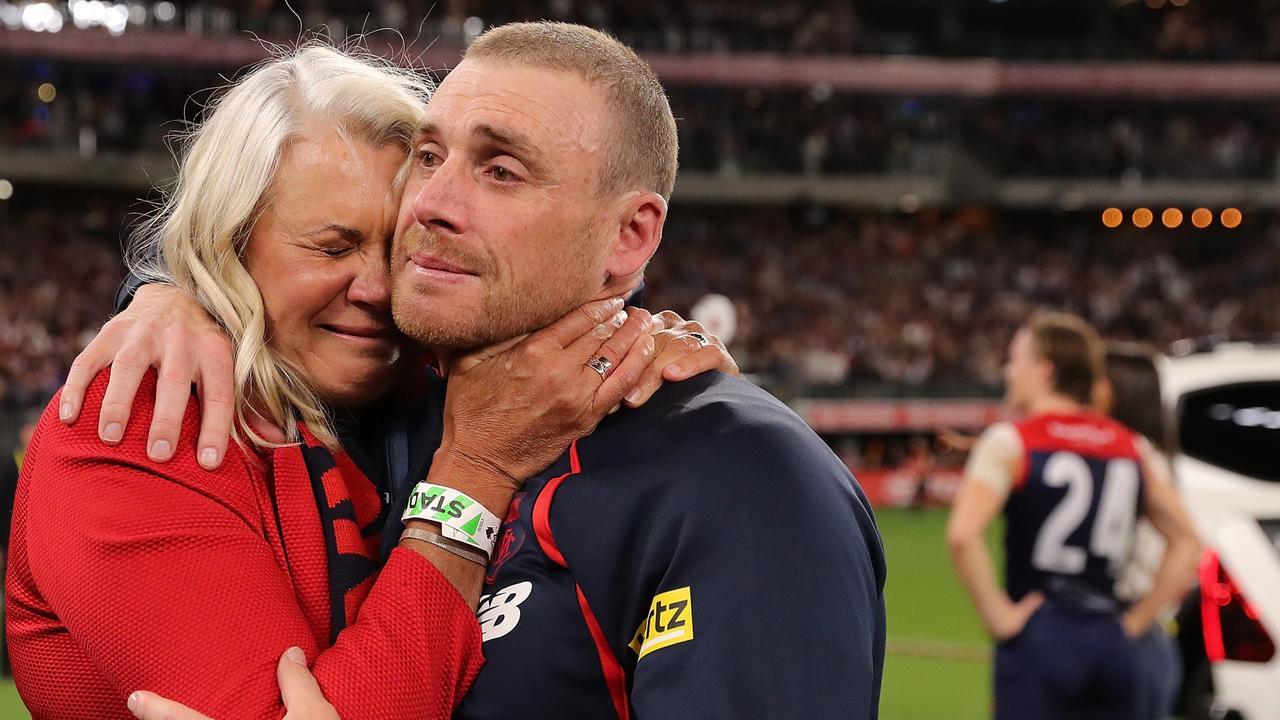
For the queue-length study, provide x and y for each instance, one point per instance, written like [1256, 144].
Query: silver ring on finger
[600, 364]
[703, 341]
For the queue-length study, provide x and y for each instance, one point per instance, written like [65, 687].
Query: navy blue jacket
[706, 555]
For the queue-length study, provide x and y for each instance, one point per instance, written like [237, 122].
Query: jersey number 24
[1112, 524]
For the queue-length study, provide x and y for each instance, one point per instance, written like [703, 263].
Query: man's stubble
[506, 309]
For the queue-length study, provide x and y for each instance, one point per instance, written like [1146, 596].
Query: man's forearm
[490, 491]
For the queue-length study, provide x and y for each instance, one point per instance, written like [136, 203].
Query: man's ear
[639, 234]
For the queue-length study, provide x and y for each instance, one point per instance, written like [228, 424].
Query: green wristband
[460, 517]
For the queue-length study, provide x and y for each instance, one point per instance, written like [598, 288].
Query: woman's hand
[166, 329]
[512, 409]
[298, 688]
[683, 348]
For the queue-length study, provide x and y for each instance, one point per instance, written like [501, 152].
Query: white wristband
[461, 518]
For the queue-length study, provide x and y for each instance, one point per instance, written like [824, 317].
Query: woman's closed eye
[334, 250]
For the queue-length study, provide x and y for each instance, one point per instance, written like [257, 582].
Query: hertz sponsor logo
[669, 622]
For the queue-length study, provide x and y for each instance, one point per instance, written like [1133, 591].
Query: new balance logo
[499, 613]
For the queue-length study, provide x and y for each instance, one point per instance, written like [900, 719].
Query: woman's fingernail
[161, 450]
[113, 432]
[295, 655]
[208, 457]
[633, 397]
[620, 319]
[134, 701]
[65, 410]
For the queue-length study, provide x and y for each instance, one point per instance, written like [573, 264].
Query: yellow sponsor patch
[669, 622]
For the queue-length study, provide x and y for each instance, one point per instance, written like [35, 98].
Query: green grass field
[936, 664]
[934, 667]
[10, 704]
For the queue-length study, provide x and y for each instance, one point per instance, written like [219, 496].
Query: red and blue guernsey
[1069, 520]
[706, 556]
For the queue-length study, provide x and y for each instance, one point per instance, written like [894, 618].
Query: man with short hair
[1071, 484]
[704, 556]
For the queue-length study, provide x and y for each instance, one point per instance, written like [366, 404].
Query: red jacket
[126, 574]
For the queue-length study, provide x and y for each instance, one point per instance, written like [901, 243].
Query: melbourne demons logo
[509, 542]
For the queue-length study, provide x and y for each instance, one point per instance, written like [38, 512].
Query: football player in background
[1071, 484]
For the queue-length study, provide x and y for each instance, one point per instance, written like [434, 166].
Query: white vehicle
[1223, 406]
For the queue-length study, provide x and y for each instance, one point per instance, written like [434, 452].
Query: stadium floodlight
[116, 19]
[41, 17]
[87, 13]
[95, 13]
[10, 15]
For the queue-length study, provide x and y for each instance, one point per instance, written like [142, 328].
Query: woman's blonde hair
[197, 236]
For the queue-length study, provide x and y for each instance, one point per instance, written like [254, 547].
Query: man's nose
[440, 202]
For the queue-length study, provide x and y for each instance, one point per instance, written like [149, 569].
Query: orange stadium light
[1202, 217]
[1142, 217]
[1171, 217]
[1112, 217]
[1231, 218]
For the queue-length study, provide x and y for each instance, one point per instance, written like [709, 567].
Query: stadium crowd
[1221, 30]
[828, 301]
[59, 270]
[744, 131]
[885, 304]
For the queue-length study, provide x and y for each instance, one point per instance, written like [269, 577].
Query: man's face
[501, 229]
[1026, 374]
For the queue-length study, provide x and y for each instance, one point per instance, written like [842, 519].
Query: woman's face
[319, 256]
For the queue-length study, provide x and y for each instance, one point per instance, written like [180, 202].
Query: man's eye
[334, 251]
[426, 158]
[502, 174]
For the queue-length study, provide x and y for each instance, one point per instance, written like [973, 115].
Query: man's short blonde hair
[643, 147]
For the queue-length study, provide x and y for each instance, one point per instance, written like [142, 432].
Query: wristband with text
[461, 518]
